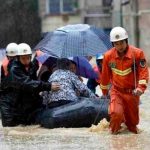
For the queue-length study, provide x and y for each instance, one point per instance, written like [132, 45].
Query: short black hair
[63, 63]
[122, 40]
[73, 62]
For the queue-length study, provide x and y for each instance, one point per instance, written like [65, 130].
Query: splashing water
[96, 137]
[103, 125]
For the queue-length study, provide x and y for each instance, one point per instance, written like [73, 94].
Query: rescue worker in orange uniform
[11, 52]
[126, 67]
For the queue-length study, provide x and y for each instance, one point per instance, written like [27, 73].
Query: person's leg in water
[131, 112]
[116, 112]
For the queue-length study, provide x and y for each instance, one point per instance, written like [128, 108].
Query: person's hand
[137, 92]
[55, 86]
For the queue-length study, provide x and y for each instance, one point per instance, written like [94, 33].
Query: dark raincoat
[20, 100]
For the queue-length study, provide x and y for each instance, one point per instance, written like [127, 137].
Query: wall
[135, 18]
[144, 26]
[50, 23]
[94, 13]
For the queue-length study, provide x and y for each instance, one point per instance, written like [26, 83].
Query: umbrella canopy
[2, 54]
[47, 60]
[75, 40]
[84, 68]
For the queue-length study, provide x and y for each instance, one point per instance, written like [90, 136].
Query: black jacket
[20, 99]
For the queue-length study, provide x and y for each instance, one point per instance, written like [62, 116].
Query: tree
[19, 22]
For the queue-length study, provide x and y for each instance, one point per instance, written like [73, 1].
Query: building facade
[57, 13]
[134, 16]
[97, 13]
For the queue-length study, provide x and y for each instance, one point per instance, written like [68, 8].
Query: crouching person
[20, 102]
[69, 84]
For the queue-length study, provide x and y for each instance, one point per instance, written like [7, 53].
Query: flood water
[37, 138]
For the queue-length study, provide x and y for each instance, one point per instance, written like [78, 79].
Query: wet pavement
[37, 138]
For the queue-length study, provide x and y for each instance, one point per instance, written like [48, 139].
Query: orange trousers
[124, 107]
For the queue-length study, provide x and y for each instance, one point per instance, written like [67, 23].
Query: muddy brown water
[37, 138]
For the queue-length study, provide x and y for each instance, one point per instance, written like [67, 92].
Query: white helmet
[24, 49]
[11, 49]
[118, 34]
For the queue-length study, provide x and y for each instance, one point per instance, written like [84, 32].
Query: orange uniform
[4, 69]
[124, 106]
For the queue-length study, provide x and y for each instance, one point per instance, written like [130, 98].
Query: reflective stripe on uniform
[104, 87]
[120, 72]
[142, 82]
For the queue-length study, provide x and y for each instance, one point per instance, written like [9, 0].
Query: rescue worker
[126, 67]
[11, 52]
[93, 83]
[20, 101]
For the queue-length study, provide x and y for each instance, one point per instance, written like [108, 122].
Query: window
[125, 2]
[107, 2]
[54, 6]
[62, 6]
[106, 6]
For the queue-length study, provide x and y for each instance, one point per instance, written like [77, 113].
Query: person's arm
[92, 84]
[19, 80]
[81, 87]
[143, 75]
